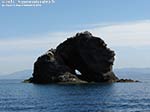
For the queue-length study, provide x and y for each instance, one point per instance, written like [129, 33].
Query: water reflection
[69, 97]
[102, 97]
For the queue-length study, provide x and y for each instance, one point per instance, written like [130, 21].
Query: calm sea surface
[116, 97]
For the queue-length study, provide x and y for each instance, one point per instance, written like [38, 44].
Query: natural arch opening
[77, 72]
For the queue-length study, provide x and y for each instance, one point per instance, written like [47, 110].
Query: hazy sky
[26, 33]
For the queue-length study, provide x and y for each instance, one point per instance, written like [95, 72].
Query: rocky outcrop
[127, 80]
[47, 69]
[89, 55]
[83, 52]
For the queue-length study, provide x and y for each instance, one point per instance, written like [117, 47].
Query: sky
[28, 32]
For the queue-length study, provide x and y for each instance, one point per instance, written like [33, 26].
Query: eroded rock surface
[83, 52]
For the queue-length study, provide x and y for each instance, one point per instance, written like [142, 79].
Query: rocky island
[80, 59]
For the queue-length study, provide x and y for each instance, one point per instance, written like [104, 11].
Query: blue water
[116, 97]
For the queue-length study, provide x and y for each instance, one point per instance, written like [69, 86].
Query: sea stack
[84, 53]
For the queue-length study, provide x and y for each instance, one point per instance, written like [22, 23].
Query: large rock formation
[83, 52]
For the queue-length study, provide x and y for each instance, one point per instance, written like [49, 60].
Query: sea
[16, 96]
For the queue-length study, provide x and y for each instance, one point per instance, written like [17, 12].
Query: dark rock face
[127, 80]
[83, 52]
[47, 69]
[89, 55]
